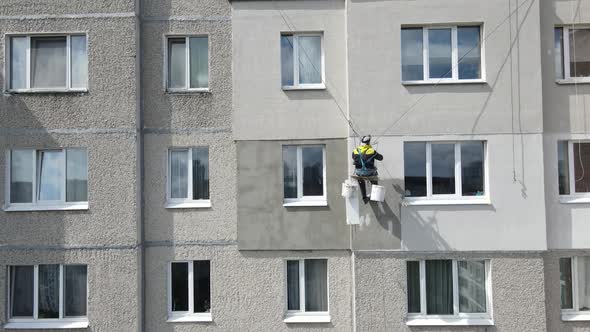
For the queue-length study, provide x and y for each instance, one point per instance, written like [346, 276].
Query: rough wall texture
[61, 7]
[517, 279]
[247, 289]
[112, 283]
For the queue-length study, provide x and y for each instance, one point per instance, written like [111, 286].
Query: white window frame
[307, 86]
[457, 318]
[77, 322]
[185, 203]
[28, 88]
[457, 197]
[187, 87]
[305, 200]
[302, 316]
[575, 314]
[41, 205]
[190, 315]
[573, 196]
[567, 78]
[454, 55]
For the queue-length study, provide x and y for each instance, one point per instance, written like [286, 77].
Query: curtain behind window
[413, 284]
[287, 60]
[293, 285]
[48, 62]
[21, 291]
[472, 286]
[51, 175]
[439, 287]
[310, 59]
[199, 53]
[75, 290]
[21, 176]
[582, 167]
[290, 171]
[177, 63]
[18, 62]
[76, 175]
[316, 285]
[201, 173]
[49, 291]
[584, 283]
[313, 171]
[565, 282]
[178, 174]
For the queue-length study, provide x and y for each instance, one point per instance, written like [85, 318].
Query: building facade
[178, 165]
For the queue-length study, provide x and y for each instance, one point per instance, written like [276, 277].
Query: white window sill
[574, 199]
[441, 82]
[307, 318]
[39, 207]
[304, 87]
[190, 318]
[47, 324]
[573, 81]
[305, 203]
[454, 321]
[575, 316]
[187, 91]
[202, 204]
[41, 91]
[419, 201]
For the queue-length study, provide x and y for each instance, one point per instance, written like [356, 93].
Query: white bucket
[377, 193]
[347, 189]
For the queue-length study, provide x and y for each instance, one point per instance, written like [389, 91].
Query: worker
[364, 158]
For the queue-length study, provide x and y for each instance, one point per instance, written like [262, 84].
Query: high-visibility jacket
[368, 155]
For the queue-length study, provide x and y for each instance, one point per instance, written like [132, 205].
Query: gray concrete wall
[247, 289]
[265, 224]
[262, 109]
[518, 293]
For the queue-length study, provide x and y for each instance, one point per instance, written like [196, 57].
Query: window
[572, 53]
[302, 61]
[51, 294]
[188, 63]
[304, 174]
[189, 291]
[307, 290]
[574, 281]
[47, 63]
[573, 164]
[47, 179]
[448, 289]
[441, 53]
[188, 178]
[444, 170]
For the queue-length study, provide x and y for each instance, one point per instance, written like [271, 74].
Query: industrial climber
[364, 158]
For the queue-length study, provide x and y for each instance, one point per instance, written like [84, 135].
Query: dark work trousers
[364, 188]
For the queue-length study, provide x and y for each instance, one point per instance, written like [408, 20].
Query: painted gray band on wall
[68, 16]
[66, 247]
[66, 131]
[185, 130]
[189, 243]
[187, 18]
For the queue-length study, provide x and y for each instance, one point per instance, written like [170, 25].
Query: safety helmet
[366, 139]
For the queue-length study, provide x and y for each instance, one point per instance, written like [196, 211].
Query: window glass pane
[469, 52]
[472, 286]
[316, 285]
[290, 171]
[76, 175]
[179, 287]
[439, 287]
[51, 175]
[565, 282]
[75, 290]
[472, 168]
[293, 285]
[179, 174]
[415, 169]
[202, 286]
[21, 291]
[443, 169]
[412, 55]
[413, 286]
[584, 283]
[310, 59]
[201, 173]
[313, 171]
[48, 62]
[21, 176]
[440, 53]
[199, 53]
[563, 167]
[79, 62]
[582, 167]
[49, 291]
[177, 63]
[579, 52]
[558, 52]
[287, 60]
[18, 62]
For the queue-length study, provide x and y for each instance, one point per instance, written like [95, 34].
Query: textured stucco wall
[511, 93]
[61, 7]
[262, 109]
[553, 293]
[202, 8]
[112, 283]
[517, 292]
[247, 289]
[265, 224]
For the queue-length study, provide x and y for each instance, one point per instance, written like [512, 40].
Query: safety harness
[364, 171]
